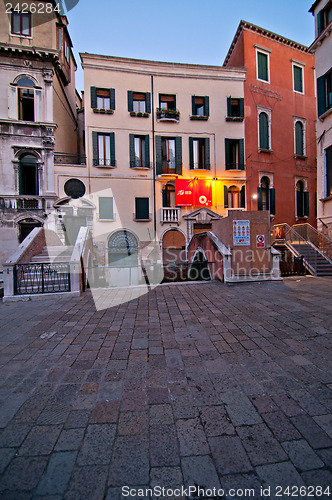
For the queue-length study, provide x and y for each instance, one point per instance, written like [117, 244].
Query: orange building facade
[280, 114]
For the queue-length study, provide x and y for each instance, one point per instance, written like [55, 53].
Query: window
[324, 93]
[103, 149]
[106, 208]
[234, 154]
[234, 197]
[102, 98]
[139, 146]
[21, 23]
[122, 249]
[324, 17]
[199, 153]
[168, 155]
[302, 200]
[266, 196]
[28, 176]
[25, 101]
[139, 103]
[299, 138]
[263, 66]
[235, 108]
[200, 106]
[167, 102]
[67, 51]
[59, 31]
[142, 209]
[298, 78]
[169, 195]
[264, 135]
[74, 188]
[328, 171]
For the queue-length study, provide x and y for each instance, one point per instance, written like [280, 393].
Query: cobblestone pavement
[225, 387]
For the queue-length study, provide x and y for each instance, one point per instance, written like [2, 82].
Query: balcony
[169, 115]
[169, 215]
[69, 159]
[23, 202]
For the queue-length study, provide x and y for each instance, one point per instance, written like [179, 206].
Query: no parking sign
[260, 241]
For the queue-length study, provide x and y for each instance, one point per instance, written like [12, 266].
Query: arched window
[234, 197]
[266, 196]
[299, 138]
[122, 249]
[25, 100]
[169, 195]
[28, 175]
[264, 136]
[302, 200]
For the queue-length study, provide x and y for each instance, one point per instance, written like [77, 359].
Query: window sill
[234, 118]
[325, 114]
[268, 151]
[105, 166]
[234, 169]
[201, 168]
[139, 115]
[142, 220]
[199, 117]
[103, 111]
[263, 81]
[300, 157]
[298, 92]
[17, 35]
[326, 199]
[140, 168]
[164, 119]
[106, 220]
[301, 217]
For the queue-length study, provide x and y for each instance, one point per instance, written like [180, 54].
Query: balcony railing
[169, 215]
[23, 202]
[168, 114]
[69, 159]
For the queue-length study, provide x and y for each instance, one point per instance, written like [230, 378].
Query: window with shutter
[139, 151]
[199, 153]
[324, 93]
[262, 66]
[299, 138]
[235, 108]
[264, 139]
[102, 99]
[142, 209]
[298, 78]
[106, 208]
[103, 146]
[225, 197]
[328, 171]
[234, 154]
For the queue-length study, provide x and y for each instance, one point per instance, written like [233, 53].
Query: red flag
[202, 193]
[184, 192]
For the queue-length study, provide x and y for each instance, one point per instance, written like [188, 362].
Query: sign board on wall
[260, 241]
[241, 232]
[191, 192]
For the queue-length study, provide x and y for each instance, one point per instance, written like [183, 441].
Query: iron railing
[69, 159]
[318, 239]
[41, 278]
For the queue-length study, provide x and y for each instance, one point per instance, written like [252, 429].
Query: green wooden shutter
[112, 147]
[225, 197]
[159, 156]
[259, 198]
[36, 180]
[178, 155]
[272, 201]
[207, 153]
[191, 153]
[93, 92]
[299, 139]
[106, 208]
[175, 102]
[241, 154]
[95, 148]
[306, 203]
[20, 179]
[193, 111]
[112, 98]
[299, 203]
[243, 197]
[130, 100]
[298, 77]
[206, 105]
[147, 151]
[148, 102]
[132, 150]
[229, 106]
[321, 99]
[320, 22]
[263, 131]
[227, 155]
[262, 67]
[241, 107]
[142, 208]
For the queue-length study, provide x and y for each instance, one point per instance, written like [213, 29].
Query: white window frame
[299, 65]
[99, 218]
[303, 121]
[267, 52]
[13, 102]
[268, 111]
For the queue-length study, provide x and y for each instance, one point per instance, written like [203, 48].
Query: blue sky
[189, 31]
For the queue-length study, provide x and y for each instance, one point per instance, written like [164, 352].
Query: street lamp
[253, 197]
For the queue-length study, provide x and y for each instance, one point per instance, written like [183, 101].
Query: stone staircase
[311, 255]
[50, 254]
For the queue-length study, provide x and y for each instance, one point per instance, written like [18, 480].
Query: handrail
[318, 239]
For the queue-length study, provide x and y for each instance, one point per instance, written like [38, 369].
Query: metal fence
[41, 278]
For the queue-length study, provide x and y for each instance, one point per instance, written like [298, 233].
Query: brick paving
[225, 387]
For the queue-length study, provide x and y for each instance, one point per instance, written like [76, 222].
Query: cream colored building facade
[164, 153]
[37, 115]
[322, 48]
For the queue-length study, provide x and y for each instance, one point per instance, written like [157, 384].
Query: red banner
[184, 192]
[202, 193]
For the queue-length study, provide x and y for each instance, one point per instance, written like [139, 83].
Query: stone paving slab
[192, 385]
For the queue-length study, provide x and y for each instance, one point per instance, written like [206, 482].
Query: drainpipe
[153, 165]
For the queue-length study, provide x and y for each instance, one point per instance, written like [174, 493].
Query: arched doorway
[25, 226]
[123, 253]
